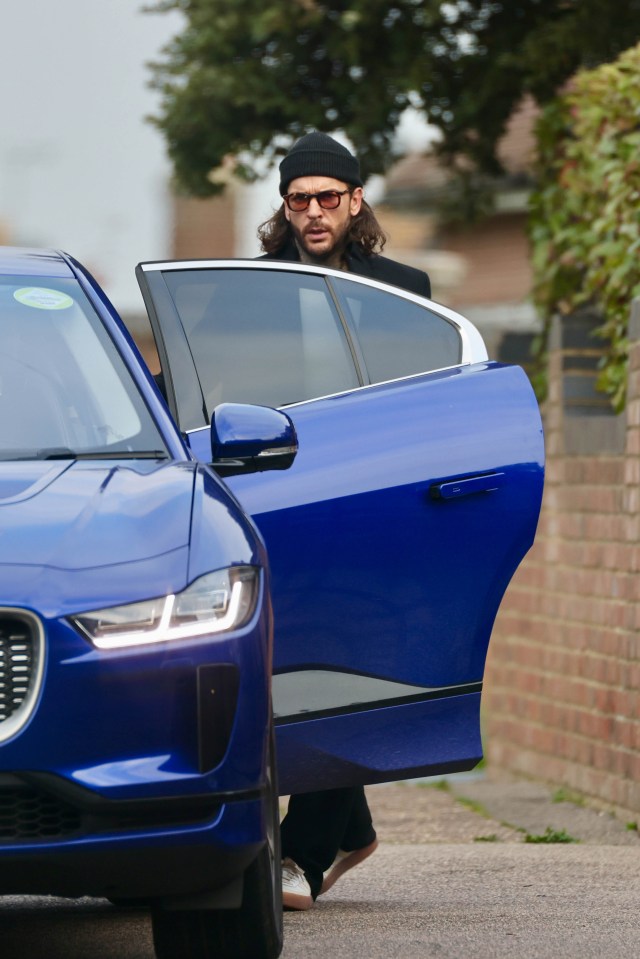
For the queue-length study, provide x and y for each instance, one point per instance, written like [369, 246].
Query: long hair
[364, 230]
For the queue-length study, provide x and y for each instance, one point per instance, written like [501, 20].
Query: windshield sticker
[42, 299]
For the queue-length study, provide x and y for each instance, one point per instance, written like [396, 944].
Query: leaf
[586, 210]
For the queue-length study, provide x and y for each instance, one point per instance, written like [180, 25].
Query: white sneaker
[345, 861]
[296, 891]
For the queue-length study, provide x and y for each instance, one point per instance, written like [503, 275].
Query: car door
[413, 498]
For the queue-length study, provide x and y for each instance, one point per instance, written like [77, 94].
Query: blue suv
[391, 474]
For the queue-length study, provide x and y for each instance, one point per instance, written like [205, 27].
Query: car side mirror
[249, 439]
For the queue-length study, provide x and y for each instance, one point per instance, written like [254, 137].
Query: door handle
[453, 489]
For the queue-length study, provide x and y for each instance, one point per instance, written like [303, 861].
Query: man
[325, 220]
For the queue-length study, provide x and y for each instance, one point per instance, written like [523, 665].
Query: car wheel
[254, 931]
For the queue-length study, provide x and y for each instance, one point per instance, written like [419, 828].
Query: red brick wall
[562, 694]
[204, 228]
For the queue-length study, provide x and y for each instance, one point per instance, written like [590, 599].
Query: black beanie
[317, 154]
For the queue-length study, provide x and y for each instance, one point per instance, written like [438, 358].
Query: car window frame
[171, 338]
[126, 346]
[357, 336]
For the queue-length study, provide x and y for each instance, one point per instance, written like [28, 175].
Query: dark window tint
[271, 338]
[398, 337]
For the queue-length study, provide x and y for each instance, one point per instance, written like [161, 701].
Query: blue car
[331, 455]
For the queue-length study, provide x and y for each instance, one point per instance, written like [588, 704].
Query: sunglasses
[327, 199]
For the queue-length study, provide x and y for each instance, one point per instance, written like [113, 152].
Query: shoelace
[291, 873]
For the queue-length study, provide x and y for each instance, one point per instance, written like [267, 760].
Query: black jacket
[374, 266]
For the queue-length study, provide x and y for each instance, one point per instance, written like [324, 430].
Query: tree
[585, 229]
[244, 77]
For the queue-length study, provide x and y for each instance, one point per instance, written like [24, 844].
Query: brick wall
[497, 257]
[562, 699]
[204, 228]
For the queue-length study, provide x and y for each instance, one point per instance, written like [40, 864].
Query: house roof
[421, 177]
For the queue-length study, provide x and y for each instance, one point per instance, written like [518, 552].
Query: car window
[271, 338]
[397, 336]
[63, 384]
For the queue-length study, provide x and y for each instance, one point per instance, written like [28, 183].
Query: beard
[320, 242]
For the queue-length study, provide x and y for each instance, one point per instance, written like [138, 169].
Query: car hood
[88, 534]
[61, 518]
[87, 514]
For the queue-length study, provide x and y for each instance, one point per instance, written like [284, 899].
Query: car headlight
[214, 603]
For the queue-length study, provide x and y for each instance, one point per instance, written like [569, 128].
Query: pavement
[477, 866]
[485, 807]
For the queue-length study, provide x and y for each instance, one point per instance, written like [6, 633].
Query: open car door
[414, 496]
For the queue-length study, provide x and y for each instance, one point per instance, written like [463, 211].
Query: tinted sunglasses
[327, 199]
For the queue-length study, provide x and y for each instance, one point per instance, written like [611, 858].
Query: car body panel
[44, 516]
[428, 737]
[138, 712]
[391, 539]
[97, 533]
[175, 860]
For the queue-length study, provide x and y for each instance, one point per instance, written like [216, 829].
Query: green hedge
[585, 215]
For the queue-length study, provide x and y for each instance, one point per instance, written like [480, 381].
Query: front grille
[29, 814]
[20, 652]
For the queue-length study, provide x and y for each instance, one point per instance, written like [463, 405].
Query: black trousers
[318, 824]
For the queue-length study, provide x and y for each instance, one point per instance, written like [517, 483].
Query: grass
[567, 795]
[441, 784]
[550, 835]
[473, 805]
[632, 826]
[492, 837]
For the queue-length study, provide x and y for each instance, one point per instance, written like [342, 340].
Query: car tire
[254, 930]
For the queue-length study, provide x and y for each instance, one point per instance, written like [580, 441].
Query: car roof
[32, 262]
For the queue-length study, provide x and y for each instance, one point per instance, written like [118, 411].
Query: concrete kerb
[482, 807]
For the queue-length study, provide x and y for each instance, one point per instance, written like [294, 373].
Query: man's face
[321, 234]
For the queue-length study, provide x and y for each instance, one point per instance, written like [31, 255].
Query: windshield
[64, 388]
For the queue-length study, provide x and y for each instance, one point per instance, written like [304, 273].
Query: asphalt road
[450, 880]
[514, 901]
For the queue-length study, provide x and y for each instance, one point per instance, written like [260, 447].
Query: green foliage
[567, 795]
[473, 805]
[550, 835]
[585, 222]
[244, 77]
[244, 72]
[441, 784]
[492, 837]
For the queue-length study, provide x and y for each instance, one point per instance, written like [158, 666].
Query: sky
[80, 168]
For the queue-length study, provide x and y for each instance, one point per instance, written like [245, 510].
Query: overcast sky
[80, 169]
